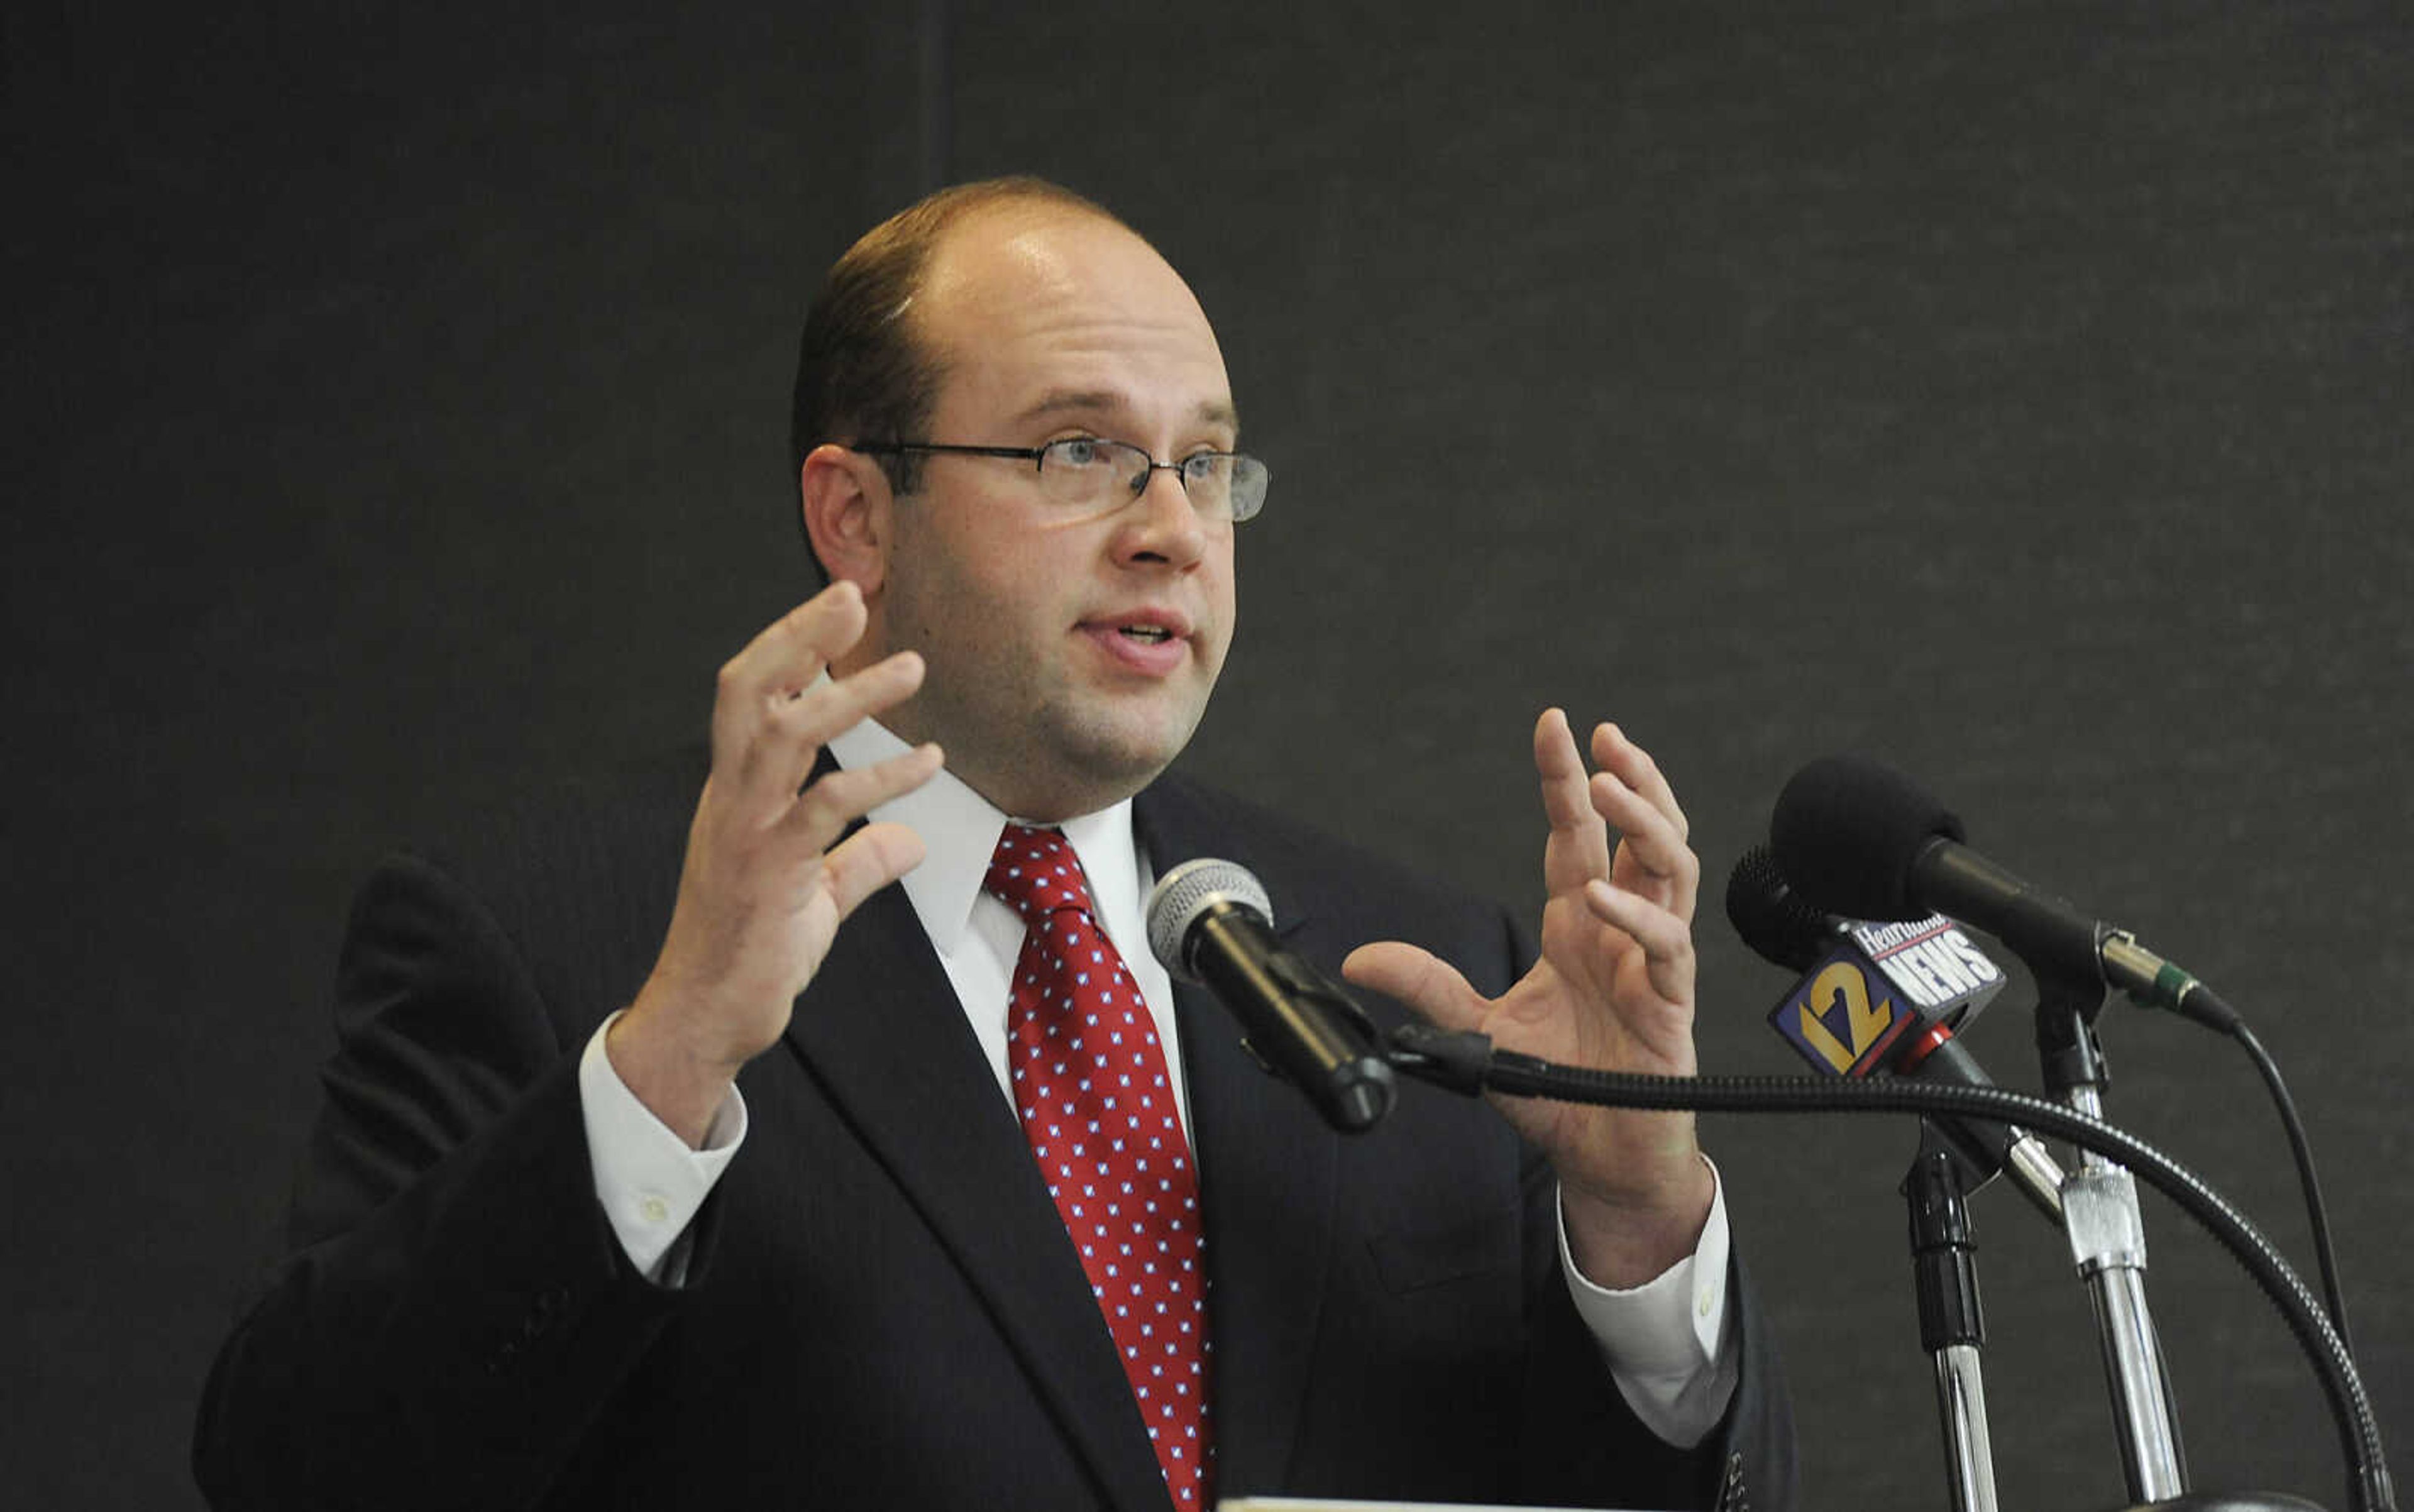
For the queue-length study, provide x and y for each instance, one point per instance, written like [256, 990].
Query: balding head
[863, 371]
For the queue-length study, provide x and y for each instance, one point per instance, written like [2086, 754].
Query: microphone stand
[1469, 1064]
[2108, 1244]
[1951, 1325]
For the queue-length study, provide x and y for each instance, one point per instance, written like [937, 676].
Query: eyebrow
[1107, 401]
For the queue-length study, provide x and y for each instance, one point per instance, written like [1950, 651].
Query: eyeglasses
[1084, 475]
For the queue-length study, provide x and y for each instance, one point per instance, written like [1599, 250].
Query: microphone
[1930, 961]
[1848, 1014]
[1860, 838]
[1209, 924]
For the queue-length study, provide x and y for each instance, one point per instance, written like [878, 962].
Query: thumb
[1420, 978]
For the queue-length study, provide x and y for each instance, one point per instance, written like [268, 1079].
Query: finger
[780, 754]
[784, 660]
[1420, 978]
[1666, 940]
[1651, 849]
[1578, 848]
[837, 799]
[835, 705]
[1612, 751]
[871, 858]
[1634, 796]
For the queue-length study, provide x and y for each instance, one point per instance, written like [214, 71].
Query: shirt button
[655, 1210]
[1701, 1304]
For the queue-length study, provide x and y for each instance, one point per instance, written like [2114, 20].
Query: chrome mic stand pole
[1951, 1325]
[2107, 1243]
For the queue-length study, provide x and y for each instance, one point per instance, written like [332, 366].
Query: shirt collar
[960, 829]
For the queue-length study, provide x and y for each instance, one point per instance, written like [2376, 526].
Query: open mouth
[1151, 633]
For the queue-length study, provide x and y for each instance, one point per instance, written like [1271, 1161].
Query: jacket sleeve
[453, 1311]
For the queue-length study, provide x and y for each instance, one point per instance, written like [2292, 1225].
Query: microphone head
[1846, 830]
[1185, 893]
[1771, 918]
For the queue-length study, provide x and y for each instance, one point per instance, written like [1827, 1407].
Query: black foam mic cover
[1846, 832]
[1771, 918]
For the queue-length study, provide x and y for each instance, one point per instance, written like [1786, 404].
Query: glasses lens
[1223, 485]
[1247, 486]
[1207, 478]
[1083, 473]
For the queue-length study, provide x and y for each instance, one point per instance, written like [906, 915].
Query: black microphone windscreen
[1846, 830]
[1771, 918]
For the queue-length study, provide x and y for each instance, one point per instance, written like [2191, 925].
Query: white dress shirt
[1667, 1343]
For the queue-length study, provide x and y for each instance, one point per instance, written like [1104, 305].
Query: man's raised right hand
[763, 890]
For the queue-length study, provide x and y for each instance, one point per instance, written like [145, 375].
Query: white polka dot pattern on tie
[1090, 1088]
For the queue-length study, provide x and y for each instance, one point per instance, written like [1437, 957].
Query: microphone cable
[2302, 1153]
[2175, 991]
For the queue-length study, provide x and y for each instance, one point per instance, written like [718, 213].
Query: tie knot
[1035, 872]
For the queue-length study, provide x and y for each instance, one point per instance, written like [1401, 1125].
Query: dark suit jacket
[882, 1308]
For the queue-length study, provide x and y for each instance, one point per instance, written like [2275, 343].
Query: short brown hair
[862, 372]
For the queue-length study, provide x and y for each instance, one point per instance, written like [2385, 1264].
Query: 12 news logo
[1879, 982]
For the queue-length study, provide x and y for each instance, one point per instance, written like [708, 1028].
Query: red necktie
[1090, 1087]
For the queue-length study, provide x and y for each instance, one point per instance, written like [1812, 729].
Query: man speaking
[671, 1155]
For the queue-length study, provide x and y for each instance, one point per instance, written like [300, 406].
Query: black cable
[2175, 991]
[1466, 1063]
[2303, 1154]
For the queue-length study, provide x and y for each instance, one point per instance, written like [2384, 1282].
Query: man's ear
[845, 500]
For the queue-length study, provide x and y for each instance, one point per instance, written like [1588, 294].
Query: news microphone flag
[1882, 980]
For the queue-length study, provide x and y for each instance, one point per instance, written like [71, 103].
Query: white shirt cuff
[650, 1184]
[1667, 1341]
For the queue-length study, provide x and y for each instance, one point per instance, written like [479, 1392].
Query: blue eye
[1078, 451]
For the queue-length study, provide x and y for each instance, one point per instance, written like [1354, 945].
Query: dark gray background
[396, 402]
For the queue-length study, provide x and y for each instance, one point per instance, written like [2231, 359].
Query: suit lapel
[881, 1029]
[1267, 1167]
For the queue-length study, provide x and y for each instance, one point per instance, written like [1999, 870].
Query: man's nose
[1162, 522]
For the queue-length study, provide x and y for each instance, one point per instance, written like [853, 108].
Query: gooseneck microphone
[1839, 962]
[1857, 837]
[1211, 923]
